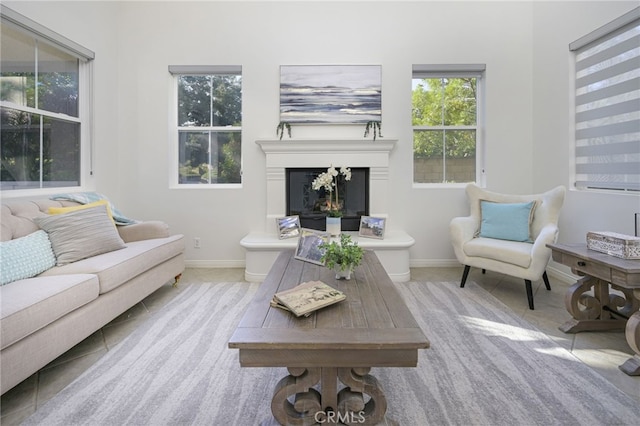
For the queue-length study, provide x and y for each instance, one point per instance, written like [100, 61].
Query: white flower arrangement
[329, 181]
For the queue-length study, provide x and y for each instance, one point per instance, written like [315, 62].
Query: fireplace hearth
[311, 205]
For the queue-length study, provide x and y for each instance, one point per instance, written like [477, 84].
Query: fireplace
[263, 245]
[311, 205]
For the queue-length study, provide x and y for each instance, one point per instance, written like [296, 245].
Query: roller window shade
[43, 33]
[205, 69]
[448, 70]
[607, 103]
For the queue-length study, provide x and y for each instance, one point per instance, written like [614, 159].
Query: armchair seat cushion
[513, 252]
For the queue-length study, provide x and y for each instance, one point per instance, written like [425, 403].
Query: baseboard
[552, 270]
[434, 263]
[214, 263]
[561, 275]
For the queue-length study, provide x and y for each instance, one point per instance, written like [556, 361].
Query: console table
[333, 348]
[590, 301]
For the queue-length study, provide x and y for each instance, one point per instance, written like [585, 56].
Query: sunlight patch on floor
[492, 328]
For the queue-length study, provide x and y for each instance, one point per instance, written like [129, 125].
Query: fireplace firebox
[311, 205]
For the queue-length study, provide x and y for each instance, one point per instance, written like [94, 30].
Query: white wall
[527, 108]
[554, 29]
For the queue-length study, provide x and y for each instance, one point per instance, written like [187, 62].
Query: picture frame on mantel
[372, 227]
[330, 94]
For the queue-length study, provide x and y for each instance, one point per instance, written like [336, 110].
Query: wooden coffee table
[330, 353]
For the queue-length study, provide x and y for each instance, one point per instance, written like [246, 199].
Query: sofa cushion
[117, 267]
[25, 257]
[81, 234]
[31, 304]
[516, 253]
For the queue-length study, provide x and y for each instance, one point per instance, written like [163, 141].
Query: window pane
[209, 157]
[21, 160]
[460, 161]
[57, 81]
[20, 150]
[213, 100]
[427, 102]
[17, 67]
[460, 101]
[227, 100]
[444, 156]
[227, 147]
[61, 153]
[444, 101]
[194, 100]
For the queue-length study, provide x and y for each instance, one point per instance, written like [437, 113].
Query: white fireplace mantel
[327, 147]
[263, 247]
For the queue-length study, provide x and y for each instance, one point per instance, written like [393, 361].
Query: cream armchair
[477, 241]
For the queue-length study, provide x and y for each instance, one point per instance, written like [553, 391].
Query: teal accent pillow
[26, 257]
[506, 221]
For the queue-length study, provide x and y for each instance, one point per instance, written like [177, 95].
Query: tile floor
[603, 351]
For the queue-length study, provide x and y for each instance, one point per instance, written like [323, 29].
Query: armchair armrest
[540, 253]
[462, 229]
[143, 231]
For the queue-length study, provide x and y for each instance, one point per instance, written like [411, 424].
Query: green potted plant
[342, 256]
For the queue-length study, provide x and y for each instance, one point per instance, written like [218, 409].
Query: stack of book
[307, 297]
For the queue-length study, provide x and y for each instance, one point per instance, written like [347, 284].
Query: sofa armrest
[143, 231]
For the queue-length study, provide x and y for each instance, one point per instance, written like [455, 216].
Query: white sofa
[43, 316]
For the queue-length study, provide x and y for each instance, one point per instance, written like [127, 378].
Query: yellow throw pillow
[62, 210]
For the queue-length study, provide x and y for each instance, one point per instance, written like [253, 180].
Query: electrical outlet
[196, 242]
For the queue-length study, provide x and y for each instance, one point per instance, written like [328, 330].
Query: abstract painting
[332, 94]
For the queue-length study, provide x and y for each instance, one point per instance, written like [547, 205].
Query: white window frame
[453, 71]
[85, 102]
[176, 71]
[595, 101]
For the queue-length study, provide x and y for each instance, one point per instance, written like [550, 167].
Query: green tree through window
[40, 114]
[444, 119]
[209, 128]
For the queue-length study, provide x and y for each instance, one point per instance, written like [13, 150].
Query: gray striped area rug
[486, 366]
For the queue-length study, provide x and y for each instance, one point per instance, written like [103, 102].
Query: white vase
[346, 274]
[334, 225]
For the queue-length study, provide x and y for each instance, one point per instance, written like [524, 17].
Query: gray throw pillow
[81, 234]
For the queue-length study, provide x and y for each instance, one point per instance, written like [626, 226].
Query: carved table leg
[632, 333]
[348, 406]
[351, 399]
[597, 311]
[306, 404]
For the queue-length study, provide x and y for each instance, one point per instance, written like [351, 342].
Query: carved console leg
[351, 401]
[306, 403]
[632, 333]
[593, 311]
